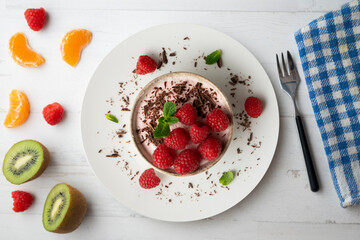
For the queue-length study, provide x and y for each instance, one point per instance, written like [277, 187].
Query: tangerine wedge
[72, 44]
[18, 111]
[21, 52]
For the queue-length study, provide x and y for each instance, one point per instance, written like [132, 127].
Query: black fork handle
[314, 184]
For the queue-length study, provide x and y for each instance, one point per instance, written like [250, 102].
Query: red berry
[253, 107]
[145, 65]
[177, 139]
[35, 18]
[186, 114]
[199, 133]
[187, 161]
[148, 179]
[210, 149]
[53, 113]
[163, 157]
[217, 120]
[22, 200]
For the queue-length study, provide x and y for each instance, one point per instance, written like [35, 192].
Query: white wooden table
[281, 207]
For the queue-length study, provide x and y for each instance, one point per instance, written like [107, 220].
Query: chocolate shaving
[173, 54]
[113, 155]
[250, 138]
[219, 62]
[125, 109]
[186, 38]
[164, 57]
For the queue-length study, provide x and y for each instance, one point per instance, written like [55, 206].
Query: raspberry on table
[253, 107]
[217, 120]
[22, 200]
[53, 113]
[177, 139]
[198, 133]
[148, 179]
[187, 161]
[186, 114]
[163, 157]
[35, 18]
[145, 65]
[210, 149]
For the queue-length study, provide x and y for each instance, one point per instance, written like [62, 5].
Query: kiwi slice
[64, 209]
[25, 161]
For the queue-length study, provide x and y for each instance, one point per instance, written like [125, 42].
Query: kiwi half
[25, 161]
[64, 209]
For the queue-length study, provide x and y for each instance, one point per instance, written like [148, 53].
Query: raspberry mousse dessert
[182, 123]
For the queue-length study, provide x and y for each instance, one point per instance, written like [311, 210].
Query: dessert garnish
[72, 45]
[64, 209]
[253, 107]
[163, 157]
[35, 18]
[148, 179]
[111, 117]
[187, 114]
[210, 149]
[164, 122]
[187, 161]
[217, 120]
[177, 139]
[25, 161]
[19, 109]
[145, 65]
[226, 178]
[53, 113]
[22, 200]
[21, 52]
[199, 132]
[213, 57]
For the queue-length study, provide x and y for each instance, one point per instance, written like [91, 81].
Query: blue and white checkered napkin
[329, 49]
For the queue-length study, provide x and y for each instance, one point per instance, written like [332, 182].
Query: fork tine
[278, 67]
[292, 66]
[284, 65]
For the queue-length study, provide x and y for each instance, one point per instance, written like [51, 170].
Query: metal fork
[289, 82]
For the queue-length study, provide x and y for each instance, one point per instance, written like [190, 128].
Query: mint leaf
[161, 130]
[226, 178]
[111, 117]
[169, 109]
[171, 120]
[162, 120]
[213, 57]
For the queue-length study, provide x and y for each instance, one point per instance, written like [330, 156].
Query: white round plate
[178, 198]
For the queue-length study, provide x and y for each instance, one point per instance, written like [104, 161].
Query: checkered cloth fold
[329, 49]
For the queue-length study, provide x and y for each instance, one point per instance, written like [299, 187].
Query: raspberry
[217, 120]
[186, 114]
[177, 139]
[253, 107]
[210, 149]
[53, 113]
[187, 161]
[22, 200]
[198, 133]
[164, 157]
[145, 65]
[35, 18]
[148, 179]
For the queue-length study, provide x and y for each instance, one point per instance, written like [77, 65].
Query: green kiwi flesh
[25, 161]
[64, 209]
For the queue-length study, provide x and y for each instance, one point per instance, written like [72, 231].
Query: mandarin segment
[19, 109]
[72, 44]
[21, 52]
